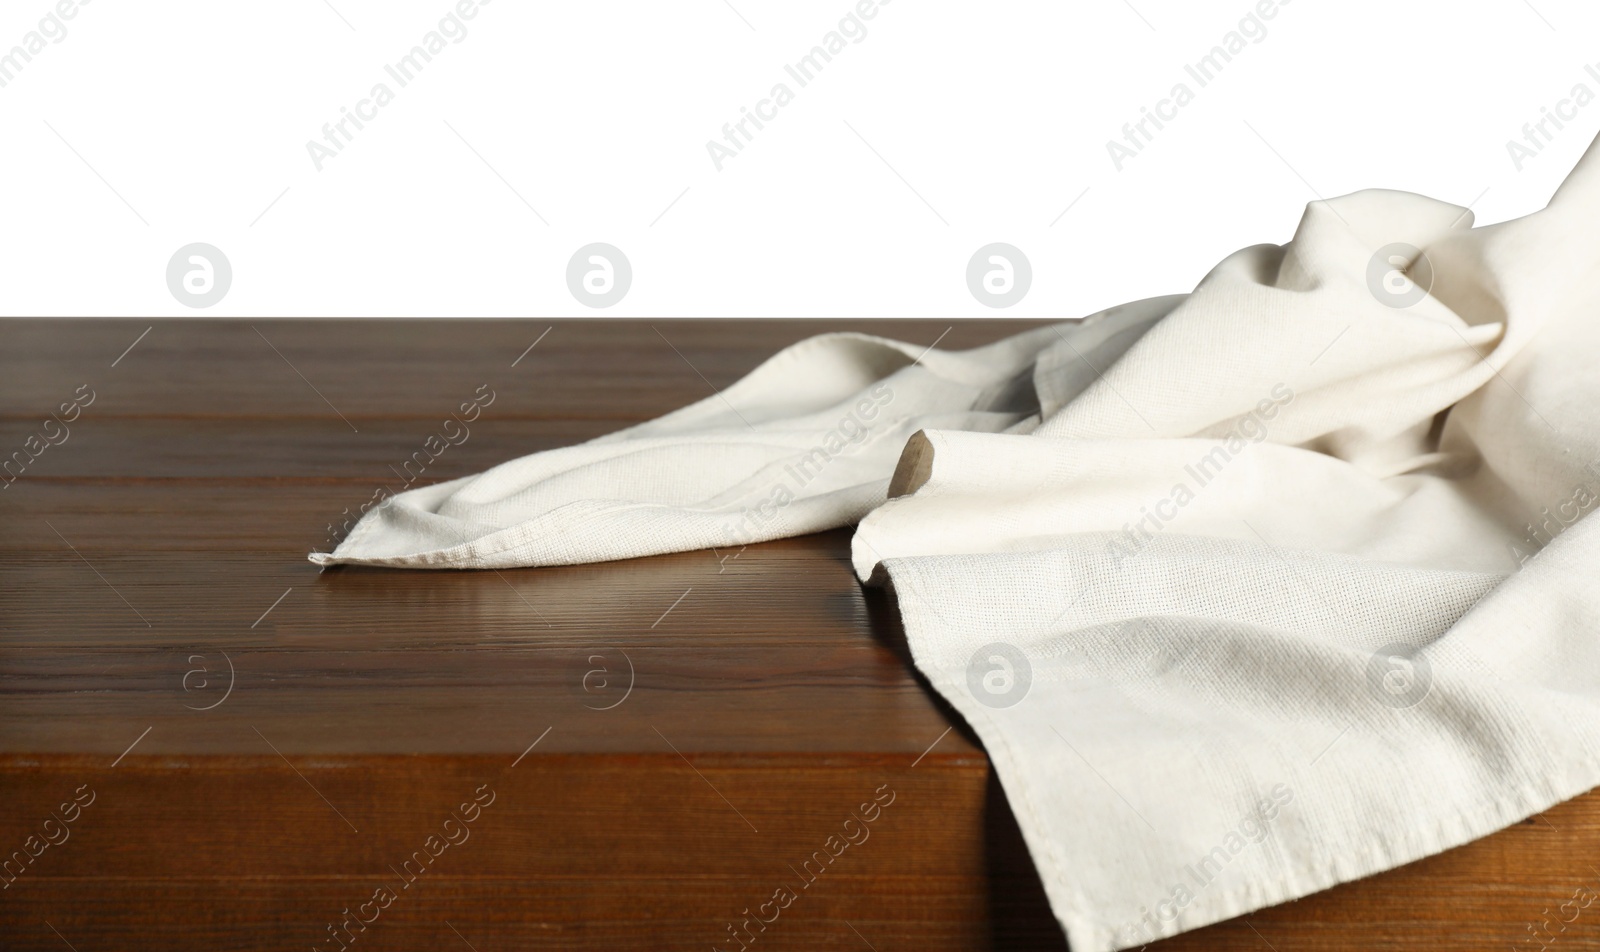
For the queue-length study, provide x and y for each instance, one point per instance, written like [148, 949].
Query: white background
[153, 125]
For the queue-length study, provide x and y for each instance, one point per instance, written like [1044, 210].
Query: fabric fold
[1247, 592]
[805, 442]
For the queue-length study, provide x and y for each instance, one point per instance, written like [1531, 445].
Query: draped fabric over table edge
[1247, 592]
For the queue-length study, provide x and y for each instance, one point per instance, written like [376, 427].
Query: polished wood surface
[665, 742]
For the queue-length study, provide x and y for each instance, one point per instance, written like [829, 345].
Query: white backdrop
[133, 130]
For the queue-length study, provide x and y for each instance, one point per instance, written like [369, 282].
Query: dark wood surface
[263, 740]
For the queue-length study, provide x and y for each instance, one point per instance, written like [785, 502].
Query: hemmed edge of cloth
[1087, 932]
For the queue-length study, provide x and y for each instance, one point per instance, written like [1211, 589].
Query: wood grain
[264, 741]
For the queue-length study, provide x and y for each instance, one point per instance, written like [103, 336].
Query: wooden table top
[176, 517]
[665, 740]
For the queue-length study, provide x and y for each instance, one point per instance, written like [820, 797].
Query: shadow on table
[1019, 912]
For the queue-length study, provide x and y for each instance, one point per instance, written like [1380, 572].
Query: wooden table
[211, 745]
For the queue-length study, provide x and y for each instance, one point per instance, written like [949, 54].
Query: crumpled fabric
[1247, 592]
